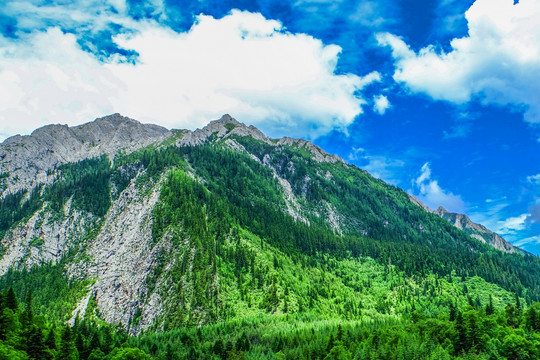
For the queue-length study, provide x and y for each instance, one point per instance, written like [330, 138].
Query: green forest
[245, 279]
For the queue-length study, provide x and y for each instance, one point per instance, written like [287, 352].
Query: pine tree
[511, 315]
[340, 333]
[452, 312]
[11, 300]
[531, 319]
[3, 318]
[27, 317]
[473, 332]
[67, 350]
[219, 349]
[490, 309]
[461, 340]
[35, 347]
[243, 343]
[331, 343]
[50, 342]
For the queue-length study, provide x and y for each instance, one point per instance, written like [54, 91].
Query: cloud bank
[498, 62]
[242, 64]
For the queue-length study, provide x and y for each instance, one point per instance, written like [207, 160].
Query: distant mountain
[154, 230]
[477, 231]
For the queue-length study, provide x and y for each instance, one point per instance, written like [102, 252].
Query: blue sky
[439, 97]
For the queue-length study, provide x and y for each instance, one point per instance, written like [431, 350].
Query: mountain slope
[477, 231]
[224, 223]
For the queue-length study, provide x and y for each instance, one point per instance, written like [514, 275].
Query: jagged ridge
[27, 159]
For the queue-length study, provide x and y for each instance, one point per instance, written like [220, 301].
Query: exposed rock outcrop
[28, 159]
[477, 231]
[474, 230]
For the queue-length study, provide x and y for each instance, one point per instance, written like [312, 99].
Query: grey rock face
[225, 127]
[477, 231]
[122, 254]
[41, 240]
[228, 126]
[121, 257]
[27, 159]
[319, 154]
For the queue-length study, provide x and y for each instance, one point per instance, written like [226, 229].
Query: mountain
[224, 242]
[28, 159]
[477, 231]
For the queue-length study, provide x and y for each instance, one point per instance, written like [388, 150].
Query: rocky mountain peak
[227, 126]
[26, 159]
[224, 127]
[441, 210]
[319, 154]
[477, 231]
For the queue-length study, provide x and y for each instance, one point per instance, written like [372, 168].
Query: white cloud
[528, 241]
[511, 225]
[242, 64]
[355, 153]
[80, 15]
[379, 166]
[498, 62]
[380, 104]
[430, 192]
[47, 78]
[534, 179]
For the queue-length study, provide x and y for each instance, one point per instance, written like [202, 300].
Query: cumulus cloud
[380, 104]
[379, 166]
[242, 64]
[498, 62]
[45, 78]
[430, 192]
[512, 224]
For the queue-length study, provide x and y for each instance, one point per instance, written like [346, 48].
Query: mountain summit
[27, 159]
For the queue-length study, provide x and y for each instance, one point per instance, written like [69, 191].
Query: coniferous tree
[3, 318]
[35, 347]
[460, 344]
[50, 342]
[490, 309]
[219, 349]
[453, 310]
[11, 300]
[27, 317]
[532, 319]
[331, 343]
[67, 349]
[511, 315]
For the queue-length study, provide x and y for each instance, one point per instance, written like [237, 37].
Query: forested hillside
[225, 244]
